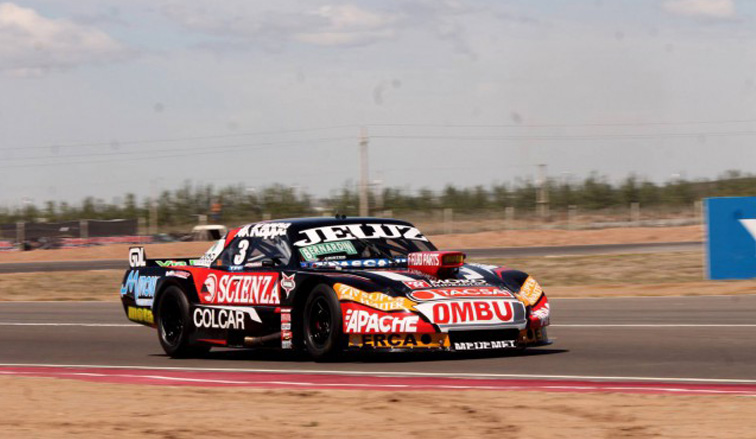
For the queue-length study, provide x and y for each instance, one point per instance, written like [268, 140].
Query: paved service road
[506, 252]
[704, 337]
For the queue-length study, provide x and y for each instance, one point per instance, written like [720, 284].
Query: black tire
[322, 331]
[175, 327]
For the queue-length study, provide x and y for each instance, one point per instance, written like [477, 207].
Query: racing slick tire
[174, 325]
[322, 331]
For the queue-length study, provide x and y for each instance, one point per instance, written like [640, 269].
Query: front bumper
[478, 340]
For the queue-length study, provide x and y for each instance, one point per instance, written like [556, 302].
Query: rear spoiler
[138, 258]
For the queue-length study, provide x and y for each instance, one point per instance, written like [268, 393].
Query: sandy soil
[511, 238]
[50, 408]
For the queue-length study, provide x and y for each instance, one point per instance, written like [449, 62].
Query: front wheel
[322, 326]
[175, 325]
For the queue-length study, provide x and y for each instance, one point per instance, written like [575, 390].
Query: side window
[256, 252]
[211, 254]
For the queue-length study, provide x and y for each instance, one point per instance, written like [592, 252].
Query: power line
[567, 137]
[216, 148]
[177, 139]
[562, 125]
[175, 154]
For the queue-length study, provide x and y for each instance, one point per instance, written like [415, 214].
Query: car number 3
[242, 255]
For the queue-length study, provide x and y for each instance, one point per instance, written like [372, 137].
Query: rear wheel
[322, 326]
[175, 325]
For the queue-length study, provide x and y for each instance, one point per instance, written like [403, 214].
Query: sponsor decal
[358, 231]
[375, 300]
[223, 317]
[142, 287]
[457, 293]
[286, 339]
[314, 252]
[178, 273]
[429, 283]
[141, 315]
[286, 334]
[263, 230]
[172, 263]
[287, 283]
[241, 289]
[530, 291]
[424, 259]
[366, 321]
[355, 263]
[540, 316]
[399, 341]
[452, 313]
[136, 257]
[416, 284]
[482, 345]
[285, 315]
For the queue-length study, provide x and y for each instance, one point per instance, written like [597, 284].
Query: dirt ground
[51, 408]
[507, 238]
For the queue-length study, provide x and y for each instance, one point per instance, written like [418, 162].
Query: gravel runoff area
[54, 408]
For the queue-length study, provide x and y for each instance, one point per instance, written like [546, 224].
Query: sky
[100, 98]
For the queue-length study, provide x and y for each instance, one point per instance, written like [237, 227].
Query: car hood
[469, 279]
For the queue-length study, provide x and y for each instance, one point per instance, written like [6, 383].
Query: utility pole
[364, 209]
[542, 198]
[378, 185]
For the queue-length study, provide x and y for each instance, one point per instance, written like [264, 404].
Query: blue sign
[731, 237]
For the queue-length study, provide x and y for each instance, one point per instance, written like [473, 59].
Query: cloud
[328, 25]
[349, 25]
[717, 9]
[32, 45]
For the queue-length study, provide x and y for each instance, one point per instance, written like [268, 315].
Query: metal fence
[69, 234]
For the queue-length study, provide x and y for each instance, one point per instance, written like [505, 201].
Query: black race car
[330, 284]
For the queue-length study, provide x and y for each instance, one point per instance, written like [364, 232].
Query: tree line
[238, 203]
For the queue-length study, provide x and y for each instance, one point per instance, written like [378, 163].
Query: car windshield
[360, 242]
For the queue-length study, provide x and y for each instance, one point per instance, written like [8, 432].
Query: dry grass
[499, 238]
[50, 408]
[650, 268]
[654, 274]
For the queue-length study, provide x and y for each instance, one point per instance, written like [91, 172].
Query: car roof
[321, 221]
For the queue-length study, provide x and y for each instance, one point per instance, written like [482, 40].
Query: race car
[327, 285]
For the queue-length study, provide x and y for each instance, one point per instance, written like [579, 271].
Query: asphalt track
[694, 339]
[505, 252]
